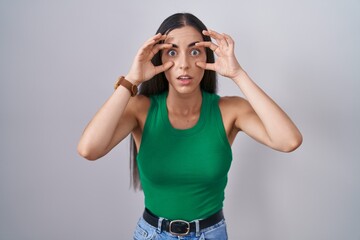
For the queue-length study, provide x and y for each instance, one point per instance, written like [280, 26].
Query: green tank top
[183, 173]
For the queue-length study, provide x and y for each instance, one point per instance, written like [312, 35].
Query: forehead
[186, 34]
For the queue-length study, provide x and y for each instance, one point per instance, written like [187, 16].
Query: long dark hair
[159, 84]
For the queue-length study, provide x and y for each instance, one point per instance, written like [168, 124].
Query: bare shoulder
[232, 109]
[228, 104]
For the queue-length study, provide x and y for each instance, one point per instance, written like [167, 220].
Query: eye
[172, 53]
[195, 52]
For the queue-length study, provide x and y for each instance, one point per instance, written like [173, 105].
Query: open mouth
[185, 79]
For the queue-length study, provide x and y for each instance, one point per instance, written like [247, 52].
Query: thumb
[204, 65]
[163, 67]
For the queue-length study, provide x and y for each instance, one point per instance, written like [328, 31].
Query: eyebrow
[190, 45]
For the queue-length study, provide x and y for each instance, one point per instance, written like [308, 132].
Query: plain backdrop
[58, 63]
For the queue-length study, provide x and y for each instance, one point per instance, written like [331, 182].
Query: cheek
[169, 74]
[202, 58]
[165, 58]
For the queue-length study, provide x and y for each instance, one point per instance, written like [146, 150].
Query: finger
[214, 34]
[229, 38]
[158, 37]
[153, 40]
[210, 45]
[148, 45]
[161, 37]
[208, 66]
[230, 41]
[219, 38]
[163, 67]
[159, 47]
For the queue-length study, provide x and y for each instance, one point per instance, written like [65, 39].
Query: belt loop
[197, 228]
[159, 228]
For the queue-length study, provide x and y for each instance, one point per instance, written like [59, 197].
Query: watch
[128, 85]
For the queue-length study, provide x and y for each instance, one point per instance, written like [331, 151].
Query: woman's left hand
[226, 63]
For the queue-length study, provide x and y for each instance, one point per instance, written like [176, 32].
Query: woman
[182, 130]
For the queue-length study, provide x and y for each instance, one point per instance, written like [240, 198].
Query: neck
[184, 104]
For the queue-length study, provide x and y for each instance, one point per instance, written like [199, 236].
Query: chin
[186, 89]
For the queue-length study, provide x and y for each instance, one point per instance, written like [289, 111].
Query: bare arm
[263, 119]
[258, 116]
[118, 116]
[99, 134]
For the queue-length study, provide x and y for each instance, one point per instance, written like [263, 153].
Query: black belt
[181, 227]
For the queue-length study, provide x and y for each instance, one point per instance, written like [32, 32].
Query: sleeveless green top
[183, 173]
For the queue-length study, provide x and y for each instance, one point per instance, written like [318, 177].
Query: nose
[183, 62]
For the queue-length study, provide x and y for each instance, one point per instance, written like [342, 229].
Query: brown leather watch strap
[128, 85]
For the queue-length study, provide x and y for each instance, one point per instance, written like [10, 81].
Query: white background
[58, 63]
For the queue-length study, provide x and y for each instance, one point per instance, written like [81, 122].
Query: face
[184, 76]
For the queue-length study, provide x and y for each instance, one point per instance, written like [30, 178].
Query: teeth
[184, 77]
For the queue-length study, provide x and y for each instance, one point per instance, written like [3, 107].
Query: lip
[184, 79]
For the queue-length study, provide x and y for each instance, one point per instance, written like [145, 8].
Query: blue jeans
[145, 231]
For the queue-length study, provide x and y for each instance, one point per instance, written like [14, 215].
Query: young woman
[181, 130]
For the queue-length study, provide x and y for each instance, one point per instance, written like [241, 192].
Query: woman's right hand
[142, 68]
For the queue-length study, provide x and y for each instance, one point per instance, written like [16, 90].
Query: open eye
[172, 53]
[195, 52]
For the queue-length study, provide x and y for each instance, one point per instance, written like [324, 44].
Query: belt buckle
[177, 227]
